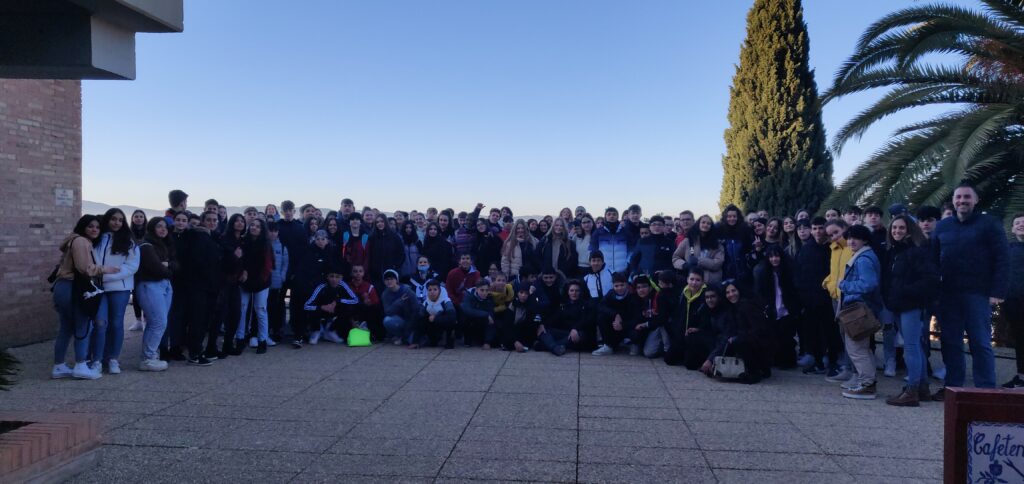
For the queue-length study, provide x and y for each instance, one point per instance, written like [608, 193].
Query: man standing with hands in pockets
[973, 261]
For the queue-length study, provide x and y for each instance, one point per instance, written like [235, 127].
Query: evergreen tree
[776, 156]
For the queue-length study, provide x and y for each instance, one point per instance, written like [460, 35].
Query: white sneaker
[254, 342]
[603, 351]
[890, 367]
[83, 371]
[332, 337]
[61, 371]
[113, 367]
[152, 365]
[271, 342]
[314, 337]
[137, 326]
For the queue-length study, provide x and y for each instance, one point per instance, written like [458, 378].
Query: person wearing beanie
[861, 283]
[400, 309]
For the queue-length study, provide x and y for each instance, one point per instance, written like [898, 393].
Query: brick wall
[40, 154]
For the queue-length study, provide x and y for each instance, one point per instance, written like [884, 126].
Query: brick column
[40, 198]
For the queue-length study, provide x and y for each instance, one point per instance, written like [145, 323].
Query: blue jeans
[397, 328]
[155, 297]
[971, 313]
[259, 307]
[914, 325]
[109, 324]
[74, 325]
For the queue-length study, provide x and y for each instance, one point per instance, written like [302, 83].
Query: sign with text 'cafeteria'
[995, 452]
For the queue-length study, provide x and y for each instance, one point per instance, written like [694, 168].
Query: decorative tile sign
[65, 197]
[983, 436]
[995, 452]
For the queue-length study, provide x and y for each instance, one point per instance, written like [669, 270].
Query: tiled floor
[386, 414]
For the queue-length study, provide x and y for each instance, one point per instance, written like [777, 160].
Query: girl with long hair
[518, 254]
[411, 249]
[254, 282]
[157, 265]
[77, 267]
[437, 248]
[558, 252]
[701, 249]
[115, 248]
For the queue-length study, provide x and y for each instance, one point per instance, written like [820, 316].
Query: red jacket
[459, 281]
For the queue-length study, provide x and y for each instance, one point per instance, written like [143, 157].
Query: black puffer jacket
[910, 278]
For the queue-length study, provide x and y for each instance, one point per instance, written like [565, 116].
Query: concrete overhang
[79, 39]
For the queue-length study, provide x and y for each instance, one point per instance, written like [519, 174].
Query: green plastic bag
[358, 337]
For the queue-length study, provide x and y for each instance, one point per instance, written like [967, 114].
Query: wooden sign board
[984, 436]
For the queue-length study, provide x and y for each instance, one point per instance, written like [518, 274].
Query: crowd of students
[686, 289]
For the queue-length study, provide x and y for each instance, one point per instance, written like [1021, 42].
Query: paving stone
[729, 476]
[544, 385]
[372, 446]
[378, 465]
[631, 412]
[522, 470]
[635, 473]
[502, 434]
[315, 477]
[643, 456]
[517, 451]
[891, 468]
[778, 461]
[158, 437]
[634, 402]
[250, 439]
[638, 439]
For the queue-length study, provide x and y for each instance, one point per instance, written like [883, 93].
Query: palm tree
[979, 72]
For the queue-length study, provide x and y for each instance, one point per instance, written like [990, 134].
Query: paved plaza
[328, 413]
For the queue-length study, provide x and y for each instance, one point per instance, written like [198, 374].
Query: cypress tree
[776, 157]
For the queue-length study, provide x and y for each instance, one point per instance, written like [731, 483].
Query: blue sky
[401, 104]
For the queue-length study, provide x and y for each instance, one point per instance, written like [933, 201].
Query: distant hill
[99, 208]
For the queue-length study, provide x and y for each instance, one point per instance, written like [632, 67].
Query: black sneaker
[199, 361]
[939, 395]
[816, 369]
[558, 350]
[1016, 382]
[297, 344]
[261, 347]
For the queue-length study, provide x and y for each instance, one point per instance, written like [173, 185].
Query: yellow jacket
[501, 299]
[841, 254]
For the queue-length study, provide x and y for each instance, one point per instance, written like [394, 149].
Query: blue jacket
[614, 245]
[862, 282]
[973, 255]
[280, 271]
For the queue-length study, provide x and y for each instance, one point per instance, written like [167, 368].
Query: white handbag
[729, 367]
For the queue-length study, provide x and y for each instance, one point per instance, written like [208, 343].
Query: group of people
[686, 289]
